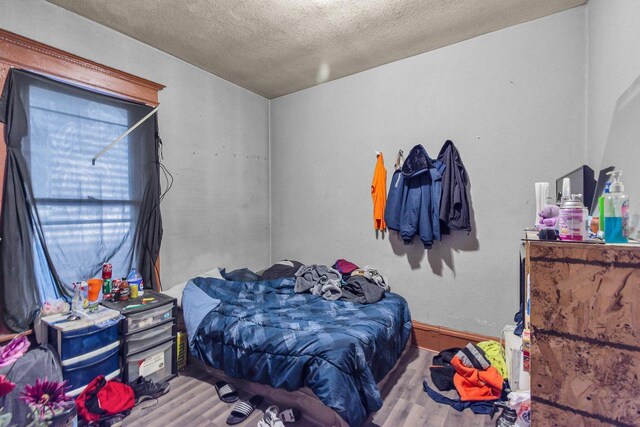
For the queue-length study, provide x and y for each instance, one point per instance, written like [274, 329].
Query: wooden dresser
[585, 334]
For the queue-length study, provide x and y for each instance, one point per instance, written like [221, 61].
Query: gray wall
[614, 93]
[215, 143]
[613, 68]
[513, 101]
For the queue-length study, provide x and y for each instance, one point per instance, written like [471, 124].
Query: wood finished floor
[192, 401]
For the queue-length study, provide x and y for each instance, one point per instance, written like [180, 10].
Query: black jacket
[454, 203]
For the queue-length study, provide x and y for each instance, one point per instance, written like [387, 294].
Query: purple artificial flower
[45, 395]
[6, 386]
[14, 350]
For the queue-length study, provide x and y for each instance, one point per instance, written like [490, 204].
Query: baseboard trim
[438, 338]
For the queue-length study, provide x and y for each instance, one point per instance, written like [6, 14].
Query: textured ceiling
[275, 47]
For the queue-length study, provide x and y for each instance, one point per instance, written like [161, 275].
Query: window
[89, 213]
[63, 217]
[80, 206]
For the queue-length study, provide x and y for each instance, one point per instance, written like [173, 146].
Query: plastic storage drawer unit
[73, 339]
[87, 367]
[155, 364]
[71, 344]
[142, 320]
[148, 336]
[140, 341]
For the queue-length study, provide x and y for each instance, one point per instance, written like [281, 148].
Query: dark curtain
[63, 217]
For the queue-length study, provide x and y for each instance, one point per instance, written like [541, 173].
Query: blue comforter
[265, 332]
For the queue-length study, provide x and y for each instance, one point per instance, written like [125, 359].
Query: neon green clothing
[495, 355]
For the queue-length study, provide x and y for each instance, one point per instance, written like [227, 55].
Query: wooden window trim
[20, 52]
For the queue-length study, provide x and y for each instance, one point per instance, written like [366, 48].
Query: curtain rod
[131, 129]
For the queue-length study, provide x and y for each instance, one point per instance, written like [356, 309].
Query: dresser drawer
[76, 343]
[157, 363]
[85, 368]
[140, 341]
[146, 319]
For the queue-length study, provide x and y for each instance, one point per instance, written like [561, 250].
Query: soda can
[106, 287]
[107, 271]
[133, 291]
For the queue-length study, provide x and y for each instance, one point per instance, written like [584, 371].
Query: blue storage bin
[76, 343]
[94, 331]
[98, 363]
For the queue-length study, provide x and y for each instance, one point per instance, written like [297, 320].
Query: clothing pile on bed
[343, 281]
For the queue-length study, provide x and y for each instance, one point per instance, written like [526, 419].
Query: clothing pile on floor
[107, 402]
[427, 197]
[472, 377]
[104, 402]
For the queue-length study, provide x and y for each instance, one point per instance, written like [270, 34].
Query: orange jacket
[476, 384]
[379, 194]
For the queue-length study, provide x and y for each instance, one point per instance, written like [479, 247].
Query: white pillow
[176, 291]
[215, 273]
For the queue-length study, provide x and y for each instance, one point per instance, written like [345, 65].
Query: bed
[266, 333]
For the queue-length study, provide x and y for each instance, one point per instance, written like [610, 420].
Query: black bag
[39, 362]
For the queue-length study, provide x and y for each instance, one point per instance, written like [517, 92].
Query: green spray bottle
[601, 209]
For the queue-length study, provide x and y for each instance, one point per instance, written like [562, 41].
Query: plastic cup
[95, 285]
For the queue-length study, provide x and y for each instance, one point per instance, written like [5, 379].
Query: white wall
[215, 143]
[513, 101]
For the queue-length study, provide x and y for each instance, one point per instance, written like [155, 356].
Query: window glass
[80, 206]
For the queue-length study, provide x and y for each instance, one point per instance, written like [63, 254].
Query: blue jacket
[394, 201]
[420, 206]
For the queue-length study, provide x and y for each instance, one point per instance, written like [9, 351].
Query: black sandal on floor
[290, 415]
[243, 409]
[226, 392]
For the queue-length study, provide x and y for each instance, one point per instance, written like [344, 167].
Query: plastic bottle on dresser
[134, 278]
[601, 209]
[616, 212]
[572, 222]
[76, 302]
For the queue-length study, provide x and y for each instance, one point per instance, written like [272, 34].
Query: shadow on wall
[441, 253]
[622, 148]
